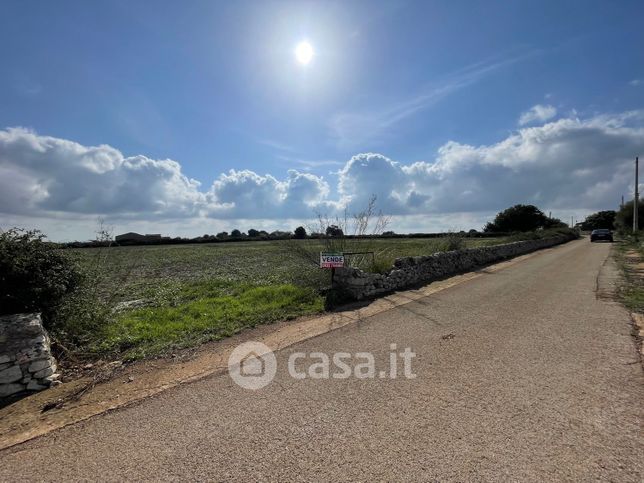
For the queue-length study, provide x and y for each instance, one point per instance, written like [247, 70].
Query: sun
[304, 53]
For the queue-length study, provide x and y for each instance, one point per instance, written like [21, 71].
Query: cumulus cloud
[571, 164]
[538, 113]
[245, 194]
[42, 173]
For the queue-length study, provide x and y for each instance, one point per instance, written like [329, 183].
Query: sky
[187, 118]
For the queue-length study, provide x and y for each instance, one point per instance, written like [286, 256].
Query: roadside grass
[629, 253]
[633, 299]
[206, 311]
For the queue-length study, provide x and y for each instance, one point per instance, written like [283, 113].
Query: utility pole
[572, 224]
[637, 197]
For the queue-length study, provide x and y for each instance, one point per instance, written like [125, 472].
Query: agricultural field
[171, 296]
[135, 272]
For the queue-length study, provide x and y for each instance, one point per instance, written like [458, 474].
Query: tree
[624, 217]
[235, 233]
[602, 219]
[280, 235]
[334, 230]
[300, 233]
[253, 233]
[222, 235]
[554, 223]
[520, 218]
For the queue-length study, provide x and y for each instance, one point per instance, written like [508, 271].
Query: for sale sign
[331, 260]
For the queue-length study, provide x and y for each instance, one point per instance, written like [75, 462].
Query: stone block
[10, 374]
[10, 389]
[34, 386]
[39, 365]
[47, 371]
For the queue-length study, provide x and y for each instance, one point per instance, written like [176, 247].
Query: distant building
[136, 237]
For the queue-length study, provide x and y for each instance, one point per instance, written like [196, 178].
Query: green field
[187, 294]
[143, 271]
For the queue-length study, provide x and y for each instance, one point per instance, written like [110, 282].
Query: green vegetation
[601, 219]
[204, 311]
[629, 253]
[158, 271]
[33, 274]
[522, 218]
[539, 234]
[624, 217]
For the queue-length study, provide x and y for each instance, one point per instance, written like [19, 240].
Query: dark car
[602, 234]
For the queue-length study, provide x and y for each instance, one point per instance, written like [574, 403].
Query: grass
[632, 292]
[207, 311]
[156, 272]
[202, 292]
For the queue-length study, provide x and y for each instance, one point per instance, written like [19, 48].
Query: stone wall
[26, 363]
[410, 271]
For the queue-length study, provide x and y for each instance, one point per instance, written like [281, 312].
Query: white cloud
[570, 166]
[567, 164]
[47, 174]
[245, 194]
[636, 82]
[538, 113]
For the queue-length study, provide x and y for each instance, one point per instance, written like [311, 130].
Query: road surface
[521, 374]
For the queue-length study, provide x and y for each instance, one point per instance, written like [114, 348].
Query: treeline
[261, 235]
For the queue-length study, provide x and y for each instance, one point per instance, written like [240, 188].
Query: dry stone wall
[411, 271]
[26, 363]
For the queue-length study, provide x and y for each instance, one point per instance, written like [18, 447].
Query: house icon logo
[252, 365]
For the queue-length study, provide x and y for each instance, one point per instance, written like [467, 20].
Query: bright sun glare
[304, 53]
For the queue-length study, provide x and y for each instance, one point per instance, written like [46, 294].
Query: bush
[521, 218]
[539, 234]
[451, 242]
[624, 217]
[34, 274]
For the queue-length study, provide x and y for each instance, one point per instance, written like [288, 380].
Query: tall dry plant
[344, 234]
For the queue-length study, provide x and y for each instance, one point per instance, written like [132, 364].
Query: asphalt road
[521, 374]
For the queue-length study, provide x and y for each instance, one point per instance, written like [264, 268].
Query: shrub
[624, 217]
[451, 242]
[34, 274]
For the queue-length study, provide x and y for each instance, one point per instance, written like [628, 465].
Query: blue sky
[464, 107]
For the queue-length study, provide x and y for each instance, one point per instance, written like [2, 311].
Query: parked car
[601, 234]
